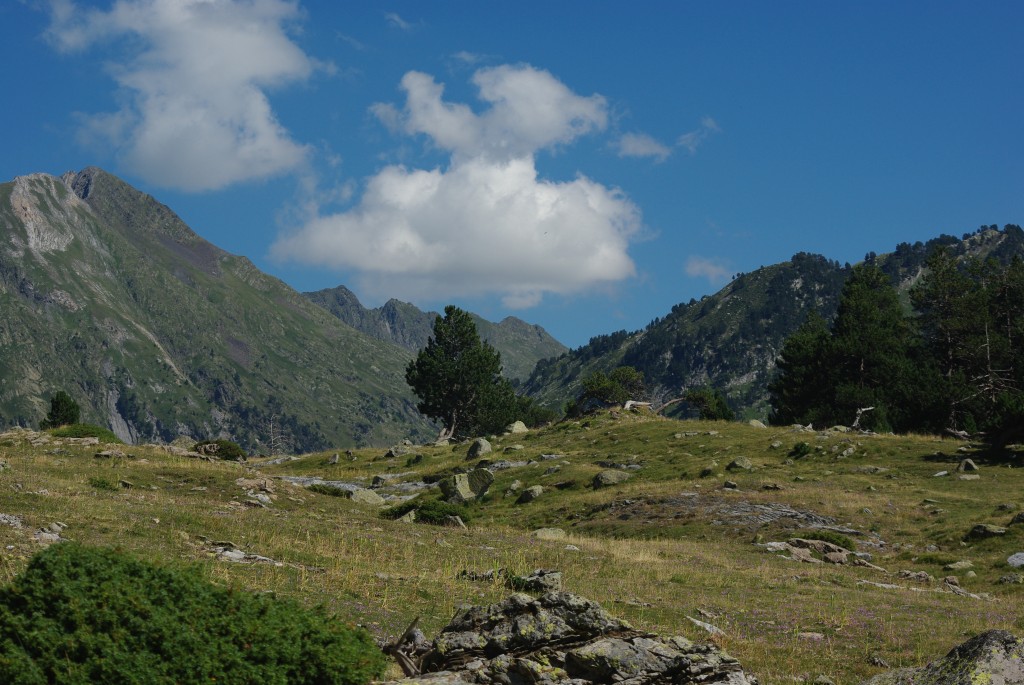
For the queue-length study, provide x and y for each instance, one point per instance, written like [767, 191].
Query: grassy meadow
[670, 543]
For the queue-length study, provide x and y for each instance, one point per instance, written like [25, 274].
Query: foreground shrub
[433, 511]
[224, 449]
[85, 430]
[89, 615]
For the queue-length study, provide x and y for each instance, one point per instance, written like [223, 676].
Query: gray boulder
[609, 477]
[364, 496]
[984, 530]
[560, 639]
[517, 427]
[992, 657]
[466, 487]
[529, 494]
[479, 447]
[739, 464]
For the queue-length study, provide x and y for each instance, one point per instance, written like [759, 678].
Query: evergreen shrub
[93, 615]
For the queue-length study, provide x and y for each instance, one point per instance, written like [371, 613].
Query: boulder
[609, 477]
[529, 494]
[560, 639]
[995, 656]
[479, 447]
[466, 487]
[967, 465]
[756, 424]
[1018, 519]
[1016, 560]
[517, 427]
[984, 530]
[364, 496]
[739, 464]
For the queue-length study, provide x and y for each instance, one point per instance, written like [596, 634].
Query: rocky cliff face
[155, 332]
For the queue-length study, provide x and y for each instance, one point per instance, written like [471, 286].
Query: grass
[662, 546]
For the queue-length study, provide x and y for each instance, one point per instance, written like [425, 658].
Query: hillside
[687, 535]
[521, 344]
[730, 340]
[157, 333]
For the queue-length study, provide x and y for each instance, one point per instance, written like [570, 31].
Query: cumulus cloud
[695, 138]
[701, 267]
[193, 82]
[642, 145]
[487, 223]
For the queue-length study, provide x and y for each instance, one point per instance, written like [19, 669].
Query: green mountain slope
[521, 344]
[730, 340]
[107, 294]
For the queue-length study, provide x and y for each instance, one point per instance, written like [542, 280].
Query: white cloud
[194, 81]
[642, 145]
[694, 139]
[713, 270]
[486, 224]
[397, 22]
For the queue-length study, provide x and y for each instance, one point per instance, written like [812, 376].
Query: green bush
[91, 615]
[63, 411]
[433, 511]
[224, 449]
[85, 430]
[101, 483]
[800, 450]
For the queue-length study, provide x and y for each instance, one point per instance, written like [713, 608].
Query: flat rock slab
[994, 657]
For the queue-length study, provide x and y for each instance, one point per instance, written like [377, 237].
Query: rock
[1011, 579]
[968, 476]
[517, 427]
[479, 447]
[364, 496]
[940, 474]
[984, 530]
[739, 464]
[776, 444]
[711, 629]
[966, 465]
[549, 534]
[993, 657]
[563, 639]
[609, 477]
[730, 485]
[466, 487]
[1016, 560]
[959, 566]
[1018, 519]
[540, 580]
[529, 494]
[756, 424]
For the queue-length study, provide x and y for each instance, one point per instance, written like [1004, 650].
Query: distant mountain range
[521, 344]
[156, 332]
[730, 340]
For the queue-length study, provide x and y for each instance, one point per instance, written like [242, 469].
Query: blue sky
[581, 165]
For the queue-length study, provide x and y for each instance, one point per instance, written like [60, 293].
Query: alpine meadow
[511, 344]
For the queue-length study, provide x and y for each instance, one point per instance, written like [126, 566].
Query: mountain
[730, 340]
[156, 332]
[521, 344]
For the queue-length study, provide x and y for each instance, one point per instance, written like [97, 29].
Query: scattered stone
[754, 423]
[364, 496]
[995, 656]
[333, 461]
[529, 494]
[916, 576]
[11, 520]
[479, 448]
[730, 485]
[462, 488]
[968, 476]
[50, 534]
[959, 565]
[513, 448]
[771, 486]
[1011, 579]
[549, 534]
[540, 580]
[941, 474]
[572, 548]
[739, 464]
[776, 444]
[1018, 519]
[609, 477]
[1016, 560]
[560, 639]
[984, 530]
[410, 517]
[517, 427]
[966, 465]
[822, 680]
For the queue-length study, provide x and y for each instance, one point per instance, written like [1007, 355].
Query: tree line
[955, 361]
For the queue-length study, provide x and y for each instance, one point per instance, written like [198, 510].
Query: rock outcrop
[557, 639]
[995, 657]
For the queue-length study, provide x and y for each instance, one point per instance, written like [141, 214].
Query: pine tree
[458, 378]
[801, 392]
[64, 411]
